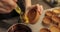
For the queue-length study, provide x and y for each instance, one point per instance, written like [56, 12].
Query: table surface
[5, 24]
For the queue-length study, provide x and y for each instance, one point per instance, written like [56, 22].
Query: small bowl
[19, 28]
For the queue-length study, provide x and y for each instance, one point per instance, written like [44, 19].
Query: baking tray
[36, 27]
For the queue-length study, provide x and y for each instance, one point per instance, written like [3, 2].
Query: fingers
[38, 8]
[6, 6]
[9, 3]
[41, 9]
[15, 0]
[1, 4]
[3, 11]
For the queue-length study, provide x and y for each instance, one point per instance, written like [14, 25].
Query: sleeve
[21, 5]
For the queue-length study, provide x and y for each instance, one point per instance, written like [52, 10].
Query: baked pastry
[46, 21]
[54, 28]
[55, 19]
[33, 15]
[19, 28]
[56, 11]
[44, 30]
[49, 13]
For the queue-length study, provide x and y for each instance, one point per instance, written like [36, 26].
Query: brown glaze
[50, 13]
[52, 17]
[33, 15]
[55, 19]
[46, 21]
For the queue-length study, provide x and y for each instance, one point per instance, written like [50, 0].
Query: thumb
[15, 0]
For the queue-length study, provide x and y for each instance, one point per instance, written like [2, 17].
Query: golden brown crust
[33, 16]
[49, 13]
[55, 19]
[44, 30]
[52, 21]
[51, 17]
[57, 11]
[54, 28]
[46, 21]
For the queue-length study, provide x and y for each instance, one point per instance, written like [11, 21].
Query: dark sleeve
[13, 13]
[21, 5]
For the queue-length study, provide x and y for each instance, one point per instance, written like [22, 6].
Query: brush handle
[18, 10]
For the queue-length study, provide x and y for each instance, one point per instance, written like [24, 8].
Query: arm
[27, 3]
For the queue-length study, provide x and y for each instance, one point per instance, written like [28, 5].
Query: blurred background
[47, 4]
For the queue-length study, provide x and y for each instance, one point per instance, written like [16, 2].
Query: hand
[6, 6]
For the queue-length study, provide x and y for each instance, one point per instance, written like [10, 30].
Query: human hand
[6, 6]
[36, 7]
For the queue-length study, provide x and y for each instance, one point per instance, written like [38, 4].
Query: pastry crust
[49, 13]
[55, 19]
[33, 15]
[52, 20]
[46, 21]
[54, 28]
[56, 11]
[44, 30]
